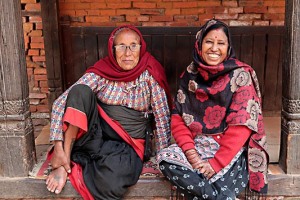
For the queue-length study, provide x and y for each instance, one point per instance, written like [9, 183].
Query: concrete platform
[281, 185]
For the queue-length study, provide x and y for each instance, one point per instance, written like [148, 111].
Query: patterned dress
[217, 112]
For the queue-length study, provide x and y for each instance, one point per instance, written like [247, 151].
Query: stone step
[154, 188]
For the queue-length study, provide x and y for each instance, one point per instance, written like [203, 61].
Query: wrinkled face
[126, 57]
[215, 47]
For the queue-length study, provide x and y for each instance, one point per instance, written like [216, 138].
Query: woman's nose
[214, 47]
[128, 51]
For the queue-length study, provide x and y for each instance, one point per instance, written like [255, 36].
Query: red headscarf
[109, 68]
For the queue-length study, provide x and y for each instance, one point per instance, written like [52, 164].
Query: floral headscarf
[211, 98]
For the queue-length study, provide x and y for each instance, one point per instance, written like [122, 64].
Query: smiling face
[127, 59]
[215, 47]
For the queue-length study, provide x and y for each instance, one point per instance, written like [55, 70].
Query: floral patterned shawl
[211, 98]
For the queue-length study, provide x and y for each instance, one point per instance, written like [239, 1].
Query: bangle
[190, 152]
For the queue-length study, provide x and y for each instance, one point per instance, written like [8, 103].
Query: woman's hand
[203, 166]
[193, 157]
[206, 169]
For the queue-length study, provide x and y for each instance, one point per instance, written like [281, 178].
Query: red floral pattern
[240, 98]
[257, 181]
[214, 116]
[219, 85]
[237, 118]
[201, 95]
[196, 128]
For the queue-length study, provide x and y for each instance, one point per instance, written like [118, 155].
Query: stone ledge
[280, 184]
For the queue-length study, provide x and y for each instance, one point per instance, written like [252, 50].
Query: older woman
[217, 123]
[98, 125]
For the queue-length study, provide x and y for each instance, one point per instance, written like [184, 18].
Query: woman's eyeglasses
[132, 47]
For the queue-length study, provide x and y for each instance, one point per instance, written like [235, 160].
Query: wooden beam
[52, 48]
[290, 127]
[16, 130]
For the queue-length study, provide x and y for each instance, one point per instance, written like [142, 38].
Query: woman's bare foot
[59, 158]
[56, 180]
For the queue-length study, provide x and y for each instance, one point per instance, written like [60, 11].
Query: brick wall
[173, 12]
[35, 62]
[137, 12]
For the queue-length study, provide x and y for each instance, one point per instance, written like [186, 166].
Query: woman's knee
[80, 90]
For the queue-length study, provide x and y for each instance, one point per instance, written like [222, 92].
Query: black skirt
[109, 165]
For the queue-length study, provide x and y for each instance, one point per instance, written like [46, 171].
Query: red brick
[37, 96]
[215, 10]
[37, 39]
[226, 16]
[153, 24]
[33, 52]
[31, 64]
[33, 7]
[93, 12]
[261, 23]
[143, 18]
[98, 6]
[119, 5]
[40, 77]
[192, 11]
[97, 19]
[144, 5]
[277, 23]
[29, 71]
[44, 84]
[151, 11]
[32, 108]
[38, 58]
[204, 17]
[131, 18]
[275, 3]
[40, 70]
[161, 18]
[277, 10]
[35, 18]
[82, 6]
[230, 4]
[117, 18]
[272, 16]
[66, 6]
[28, 1]
[236, 10]
[27, 27]
[166, 5]
[37, 45]
[209, 3]
[108, 12]
[34, 101]
[42, 52]
[250, 16]
[173, 12]
[36, 33]
[251, 3]
[45, 90]
[192, 4]
[26, 39]
[134, 12]
[177, 24]
[239, 23]
[38, 26]
[255, 9]
[42, 108]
